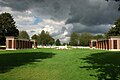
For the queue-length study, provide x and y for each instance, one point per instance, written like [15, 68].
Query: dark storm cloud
[91, 13]
[20, 5]
[85, 15]
[94, 29]
[55, 9]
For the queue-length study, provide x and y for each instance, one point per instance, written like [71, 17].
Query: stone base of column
[114, 49]
[10, 49]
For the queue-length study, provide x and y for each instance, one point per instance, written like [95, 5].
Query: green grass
[52, 64]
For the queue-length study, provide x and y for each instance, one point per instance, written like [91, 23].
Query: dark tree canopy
[23, 35]
[34, 37]
[82, 39]
[7, 27]
[99, 36]
[74, 39]
[114, 31]
[57, 42]
[85, 38]
[49, 39]
[44, 38]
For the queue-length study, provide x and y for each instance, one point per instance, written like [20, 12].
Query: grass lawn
[52, 64]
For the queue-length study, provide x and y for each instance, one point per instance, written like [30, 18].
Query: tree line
[8, 28]
[45, 39]
[84, 38]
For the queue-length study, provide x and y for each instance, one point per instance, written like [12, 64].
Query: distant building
[13, 44]
[112, 43]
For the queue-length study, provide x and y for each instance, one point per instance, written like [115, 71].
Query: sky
[62, 17]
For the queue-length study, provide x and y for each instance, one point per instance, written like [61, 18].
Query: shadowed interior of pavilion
[106, 65]
[9, 61]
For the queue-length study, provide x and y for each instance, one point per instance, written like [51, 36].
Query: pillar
[118, 47]
[35, 44]
[13, 44]
[96, 44]
[110, 44]
[119, 44]
[91, 44]
[7, 44]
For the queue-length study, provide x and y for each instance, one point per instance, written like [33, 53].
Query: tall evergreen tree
[57, 42]
[42, 38]
[7, 27]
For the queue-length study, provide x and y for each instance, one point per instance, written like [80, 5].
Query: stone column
[118, 47]
[13, 44]
[112, 44]
[100, 45]
[7, 44]
[96, 44]
[119, 44]
[103, 44]
[18, 44]
[106, 45]
[91, 44]
[35, 44]
[21, 44]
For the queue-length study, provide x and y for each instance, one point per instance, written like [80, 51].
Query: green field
[52, 64]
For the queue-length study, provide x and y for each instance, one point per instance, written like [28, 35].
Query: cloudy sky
[62, 17]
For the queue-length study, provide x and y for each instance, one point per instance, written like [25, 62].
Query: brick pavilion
[112, 43]
[13, 44]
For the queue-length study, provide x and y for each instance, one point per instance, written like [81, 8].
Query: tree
[23, 35]
[65, 44]
[57, 42]
[7, 27]
[34, 37]
[85, 38]
[114, 31]
[99, 36]
[49, 39]
[42, 38]
[45, 38]
[74, 39]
